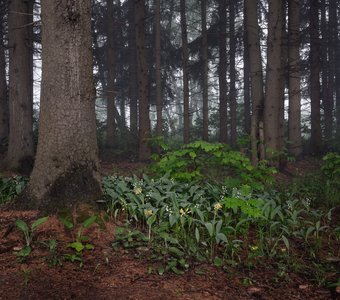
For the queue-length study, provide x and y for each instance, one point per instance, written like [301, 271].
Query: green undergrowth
[180, 223]
[10, 187]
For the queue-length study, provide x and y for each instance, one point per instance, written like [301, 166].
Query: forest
[180, 149]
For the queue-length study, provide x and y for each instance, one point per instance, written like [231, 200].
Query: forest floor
[117, 274]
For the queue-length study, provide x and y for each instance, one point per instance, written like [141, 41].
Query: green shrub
[10, 187]
[212, 162]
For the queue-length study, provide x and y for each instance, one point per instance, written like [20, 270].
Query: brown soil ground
[109, 274]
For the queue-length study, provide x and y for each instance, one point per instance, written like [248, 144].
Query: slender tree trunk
[133, 85]
[159, 102]
[232, 94]
[111, 74]
[222, 71]
[185, 57]
[66, 169]
[3, 93]
[315, 54]
[337, 70]
[20, 148]
[256, 78]
[294, 118]
[273, 79]
[326, 93]
[205, 134]
[246, 82]
[142, 75]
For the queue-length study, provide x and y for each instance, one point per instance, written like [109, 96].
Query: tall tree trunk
[159, 102]
[20, 148]
[142, 75]
[232, 93]
[294, 117]
[133, 85]
[185, 58]
[205, 133]
[256, 78]
[274, 78]
[66, 169]
[111, 74]
[222, 72]
[3, 92]
[315, 54]
[326, 94]
[337, 71]
[246, 81]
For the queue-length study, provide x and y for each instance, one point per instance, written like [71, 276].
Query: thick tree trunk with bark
[315, 77]
[274, 78]
[185, 58]
[66, 169]
[294, 117]
[159, 102]
[3, 94]
[111, 73]
[256, 78]
[20, 148]
[205, 133]
[142, 75]
[337, 71]
[222, 72]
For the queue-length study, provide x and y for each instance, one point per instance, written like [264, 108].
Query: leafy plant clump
[28, 232]
[213, 162]
[10, 187]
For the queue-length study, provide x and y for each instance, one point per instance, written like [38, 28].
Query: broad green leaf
[285, 240]
[218, 262]
[67, 223]
[210, 228]
[221, 237]
[24, 252]
[89, 247]
[175, 251]
[22, 225]
[89, 221]
[151, 220]
[197, 235]
[38, 222]
[78, 246]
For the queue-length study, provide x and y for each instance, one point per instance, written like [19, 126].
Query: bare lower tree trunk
[185, 57]
[256, 78]
[133, 86]
[142, 75]
[159, 102]
[222, 72]
[205, 133]
[20, 148]
[246, 82]
[315, 54]
[337, 70]
[273, 79]
[3, 93]
[111, 74]
[294, 117]
[66, 169]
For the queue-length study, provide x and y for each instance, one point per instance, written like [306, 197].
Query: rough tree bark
[222, 72]
[246, 82]
[315, 96]
[111, 73]
[185, 58]
[159, 102]
[3, 92]
[133, 86]
[256, 79]
[66, 169]
[20, 148]
[232, 93]
[294, 117]
[205, 133]
[273, 80]
[142, 75]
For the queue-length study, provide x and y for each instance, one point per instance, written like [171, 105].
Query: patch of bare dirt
[109, 274]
